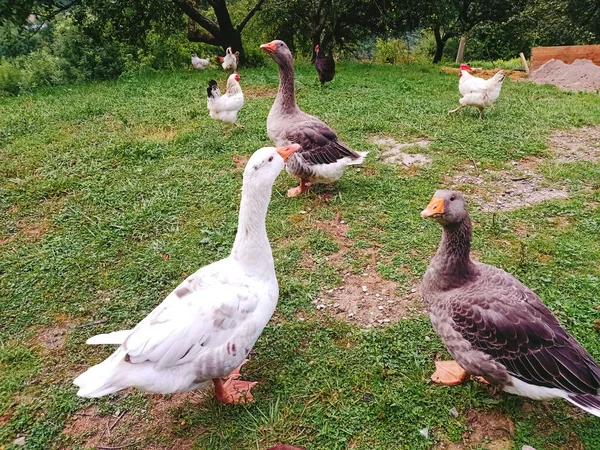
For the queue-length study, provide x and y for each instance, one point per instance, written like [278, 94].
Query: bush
[40, 68]
[10, 79]
[391, 51]
[254, 57]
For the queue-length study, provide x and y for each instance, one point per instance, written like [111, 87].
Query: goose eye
[270, 159]
[452, 199]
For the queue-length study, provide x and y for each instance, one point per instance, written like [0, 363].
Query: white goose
[206, 327]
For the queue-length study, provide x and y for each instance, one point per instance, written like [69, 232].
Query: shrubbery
[10, 79]
[68, 51]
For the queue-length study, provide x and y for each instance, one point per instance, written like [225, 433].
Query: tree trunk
[222, 32]
[440, 42]
[439, 45]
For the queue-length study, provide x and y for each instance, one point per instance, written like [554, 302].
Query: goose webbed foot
[232, 390]
[449, 373]
[293, 192]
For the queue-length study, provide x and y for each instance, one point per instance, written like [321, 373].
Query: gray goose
[322, 158]
[494, 326]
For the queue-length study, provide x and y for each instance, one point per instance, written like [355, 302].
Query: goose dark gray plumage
[497, 328]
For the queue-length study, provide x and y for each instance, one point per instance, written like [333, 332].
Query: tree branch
[196, 35]
[190, 11]
[251, 13]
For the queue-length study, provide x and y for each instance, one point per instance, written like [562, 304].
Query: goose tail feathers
[588, 402]
[360, 159]
[99, 380]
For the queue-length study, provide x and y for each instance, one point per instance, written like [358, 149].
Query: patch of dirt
[490, 430]
[506, 190]
[259, 92]
[392, 152]
[514, 75]
[581, 75]
[367, 298]
[33, 230]
[53, 338]
[153, 134]
[126, 429]
[580, 144]
[240, 161]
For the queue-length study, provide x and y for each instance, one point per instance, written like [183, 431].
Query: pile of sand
[582, 75]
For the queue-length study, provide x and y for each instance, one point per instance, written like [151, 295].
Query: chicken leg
[456, 110]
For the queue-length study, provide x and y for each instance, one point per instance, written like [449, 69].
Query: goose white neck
[251, 248]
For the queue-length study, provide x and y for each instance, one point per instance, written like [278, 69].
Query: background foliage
[76, 40]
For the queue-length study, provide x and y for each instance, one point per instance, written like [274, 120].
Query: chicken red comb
[465, 67]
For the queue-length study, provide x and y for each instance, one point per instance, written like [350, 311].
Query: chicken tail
[499, 76]
[212, 91]
[360, 159]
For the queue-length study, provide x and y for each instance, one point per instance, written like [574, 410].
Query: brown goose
[321, 158]
[494, 326]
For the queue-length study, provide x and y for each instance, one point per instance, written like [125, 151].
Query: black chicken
[325, 65]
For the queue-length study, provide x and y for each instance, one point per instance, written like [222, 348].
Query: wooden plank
[567, 54]
[461, 49]
[524, 61]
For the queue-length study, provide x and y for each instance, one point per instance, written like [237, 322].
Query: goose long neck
[452, 262]
[251, 248]
[286, 95]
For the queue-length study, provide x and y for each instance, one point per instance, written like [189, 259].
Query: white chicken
[230, 62]
[199, 63]
[224, 108]
[478, 92]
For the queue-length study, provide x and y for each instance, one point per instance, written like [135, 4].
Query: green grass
[99, 182]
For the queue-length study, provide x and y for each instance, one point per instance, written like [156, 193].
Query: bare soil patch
[581, 75]
[259, 92]
[33, 229]
[53, 338]
[393, 153]
[240, 161]
[133, 430]
[506, 190]
[364, 298]
[514, 75]
[155, 134]
[489, 430]
[579, 144]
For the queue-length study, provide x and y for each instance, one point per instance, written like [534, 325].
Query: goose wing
[504, 319]
[319, 143]
[200, 317]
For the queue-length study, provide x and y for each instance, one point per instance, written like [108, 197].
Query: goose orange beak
[269, 48]
[434, 209]
[287, 150]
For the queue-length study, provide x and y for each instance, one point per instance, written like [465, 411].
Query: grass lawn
[111, 193]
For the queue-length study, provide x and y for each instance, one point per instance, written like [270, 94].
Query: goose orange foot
[449, 373]
[233, 390]
[293, 192]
